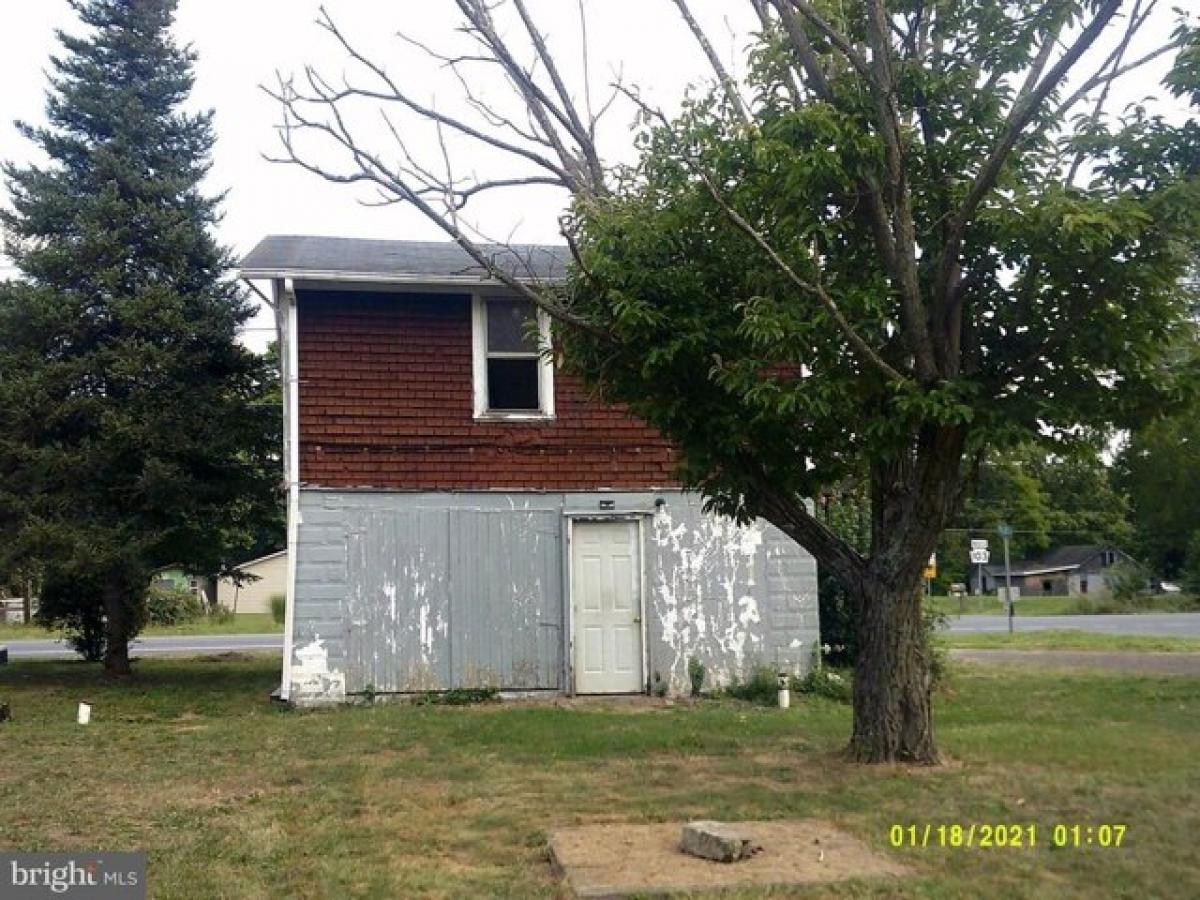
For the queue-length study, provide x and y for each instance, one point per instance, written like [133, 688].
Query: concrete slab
[619, 860]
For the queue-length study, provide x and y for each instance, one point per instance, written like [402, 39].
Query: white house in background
[255, 596]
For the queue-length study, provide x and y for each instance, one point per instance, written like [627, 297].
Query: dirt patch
[617, 860]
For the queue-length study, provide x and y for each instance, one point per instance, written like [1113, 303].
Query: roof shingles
[334, 258]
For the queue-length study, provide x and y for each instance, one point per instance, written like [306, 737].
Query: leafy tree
[1049, 499]
[902, 242]
[132, 434]
[1160, 471]
[1190, 575]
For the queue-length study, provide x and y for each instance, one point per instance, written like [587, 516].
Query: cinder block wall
[400, 591]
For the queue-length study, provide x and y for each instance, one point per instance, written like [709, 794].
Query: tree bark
[117, 627]
[893, 711]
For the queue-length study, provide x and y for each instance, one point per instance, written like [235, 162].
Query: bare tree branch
[728, 85]
[393, 93]
[582, 133]
[1100, 78]
[1098, 110]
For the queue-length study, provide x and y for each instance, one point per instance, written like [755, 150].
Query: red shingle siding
[386, 401]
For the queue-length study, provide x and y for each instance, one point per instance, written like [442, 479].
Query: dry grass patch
[233, 797]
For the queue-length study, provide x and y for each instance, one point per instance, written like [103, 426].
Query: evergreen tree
[134, 429]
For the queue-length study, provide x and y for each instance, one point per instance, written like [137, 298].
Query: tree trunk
[893, 713]
[116, 628]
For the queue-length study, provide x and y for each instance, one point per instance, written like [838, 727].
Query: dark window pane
[508, 326]
[513, 384]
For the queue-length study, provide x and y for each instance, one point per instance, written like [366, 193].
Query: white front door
[606, 607]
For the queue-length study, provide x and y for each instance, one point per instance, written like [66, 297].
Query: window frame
[479, 364]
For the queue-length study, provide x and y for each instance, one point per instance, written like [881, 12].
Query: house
[1072, 571]
[462, 512]
[176, 578]
[254, 596]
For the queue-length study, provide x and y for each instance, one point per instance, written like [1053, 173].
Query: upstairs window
[513, 377]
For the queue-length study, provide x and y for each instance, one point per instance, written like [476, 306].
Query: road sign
[979, 544]
[980, 555]
[1004, 530]
[931, 567]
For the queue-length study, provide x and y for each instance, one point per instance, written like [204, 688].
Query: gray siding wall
[401, 592]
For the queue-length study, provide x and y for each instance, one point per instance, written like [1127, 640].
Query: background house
[270, 574]
[175, 577]
[462, 512]
[1069, 571]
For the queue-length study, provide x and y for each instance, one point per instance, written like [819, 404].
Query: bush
[73, 604]
[453, 697]
[220, 614]
[1126, 583]
[1190, 576]
[762, 687]
[696, 673]
[278, 608]
[169, 605]
[658, 685]
[835, 684]
[939, 655]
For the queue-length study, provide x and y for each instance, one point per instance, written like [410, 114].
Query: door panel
[606, 607]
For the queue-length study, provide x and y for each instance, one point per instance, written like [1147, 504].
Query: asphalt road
[213, 643]
[1155, 624]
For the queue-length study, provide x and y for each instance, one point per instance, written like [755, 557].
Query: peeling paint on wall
[312, 680]
[703, 597]
[414, 592]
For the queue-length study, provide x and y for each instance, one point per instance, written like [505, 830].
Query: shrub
[835, 684]
[220, 614]
[762, 687]
[278, 608]
[1126, 583]
[72, 603]
[1190, 576]
[939, 655]
[696, 672]
[170, 605]
[658, 686]
[454, 697]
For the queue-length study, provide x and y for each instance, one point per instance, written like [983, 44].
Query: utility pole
[1005, 533]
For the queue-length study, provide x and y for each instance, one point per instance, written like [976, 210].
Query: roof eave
[254, 274]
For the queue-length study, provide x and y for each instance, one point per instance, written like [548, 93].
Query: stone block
[716, 841]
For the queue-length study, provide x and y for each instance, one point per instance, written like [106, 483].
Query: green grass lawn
[235, 798]
[1069, 639]
[1061, 606]
[242, 623]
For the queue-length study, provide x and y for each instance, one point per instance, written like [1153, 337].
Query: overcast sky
[242, 44]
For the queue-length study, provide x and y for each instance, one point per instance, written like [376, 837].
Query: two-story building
[464, 513]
